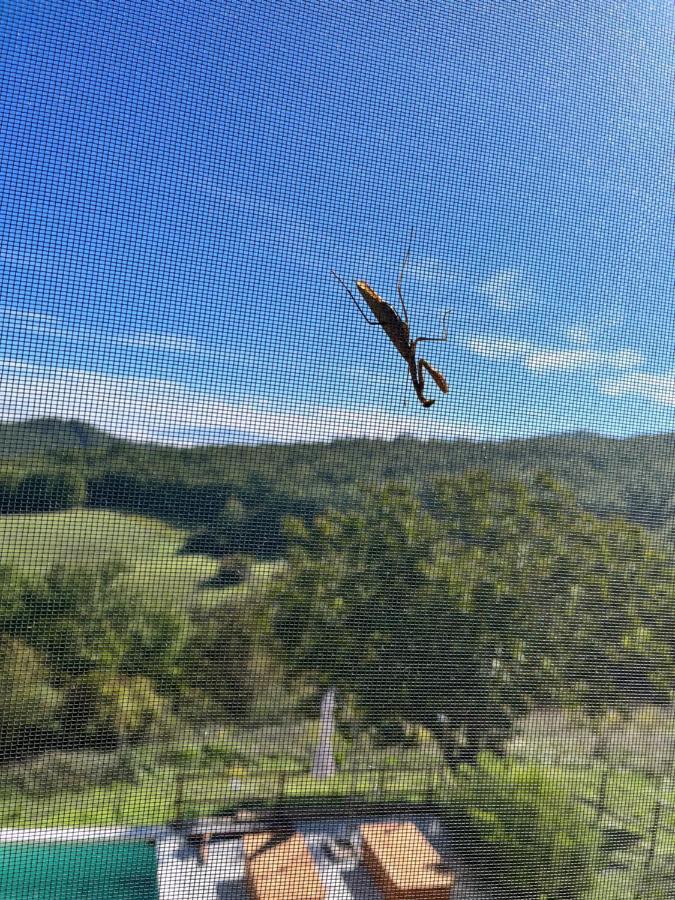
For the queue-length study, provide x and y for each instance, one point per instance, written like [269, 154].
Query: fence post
[602, 795]
[431, 784]
[653, 834]
[281, 787]
[381, 785]
[179, 803]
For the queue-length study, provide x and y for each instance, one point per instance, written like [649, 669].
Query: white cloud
[45, 324]
[499, 348]
[596, 326]
[172, 343]
[169, 412]
[582, 359]
[507, 289]
[28, 315]
[578, 334]
[28, 320]
[541, 359]
[433, 271]
[657, 388]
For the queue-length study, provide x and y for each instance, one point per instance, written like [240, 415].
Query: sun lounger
[403, 863]
[280, 867]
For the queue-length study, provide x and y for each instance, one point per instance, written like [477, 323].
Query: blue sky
[177, 180]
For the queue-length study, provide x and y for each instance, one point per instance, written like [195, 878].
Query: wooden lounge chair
[403, 863]
[203, 848]
[200, 839]
[280, 867]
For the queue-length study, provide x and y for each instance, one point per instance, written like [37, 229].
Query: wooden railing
[198, 794]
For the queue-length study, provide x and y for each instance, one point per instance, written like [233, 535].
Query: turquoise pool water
[101, 870]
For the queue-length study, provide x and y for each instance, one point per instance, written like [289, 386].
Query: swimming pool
[78, 870]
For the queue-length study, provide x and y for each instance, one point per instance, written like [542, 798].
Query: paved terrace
[182, 877]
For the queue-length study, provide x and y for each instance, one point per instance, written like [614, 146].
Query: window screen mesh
[337, 495]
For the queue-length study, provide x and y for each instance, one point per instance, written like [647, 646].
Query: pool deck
[101, 833]
[181, 876]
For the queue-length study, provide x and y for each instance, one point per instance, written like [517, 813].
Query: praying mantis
[397, 330]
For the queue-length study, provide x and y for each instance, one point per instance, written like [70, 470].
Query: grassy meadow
[156, 569]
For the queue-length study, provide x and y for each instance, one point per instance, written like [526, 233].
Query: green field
[149, 550]
[235, 766]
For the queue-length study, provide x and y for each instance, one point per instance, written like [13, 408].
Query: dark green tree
[462, 616]
[80, 619]
[39, 492]
[219, 671]
[103, 710]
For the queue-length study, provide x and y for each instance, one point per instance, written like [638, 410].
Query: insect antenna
[354, 300]
[399, 283]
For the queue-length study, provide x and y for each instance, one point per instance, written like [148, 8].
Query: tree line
[235, 498]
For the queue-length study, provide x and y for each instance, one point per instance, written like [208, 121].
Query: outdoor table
[281, 869]
[403, 863]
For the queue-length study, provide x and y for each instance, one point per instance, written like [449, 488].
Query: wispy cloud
[433, 271]
[579, 334]
[498, 347]
[596, 326]
[507, 289]
[163, 343]
[160, 342]
[28, 315]
[33, 322]
[169, 412]
[541, 359]
[657, 388]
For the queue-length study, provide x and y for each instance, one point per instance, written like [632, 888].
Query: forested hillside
[235, 497]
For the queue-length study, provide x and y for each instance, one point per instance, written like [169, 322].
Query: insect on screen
[337, 450]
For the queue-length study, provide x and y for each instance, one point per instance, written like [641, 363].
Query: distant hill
[34, 437]
[633, 477]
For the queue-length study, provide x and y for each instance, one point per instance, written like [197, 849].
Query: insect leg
[399, 283]
[420, 374]
[418, 382]
[354, 300]
[443, 338]
[438, 377]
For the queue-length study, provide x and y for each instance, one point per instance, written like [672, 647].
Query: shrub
[181, 757]
[529, 829]
[102, 710]
[39, 492]
[55, 772]
[234, 569]
[204, 543]
[226, 756]
[29, 704]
